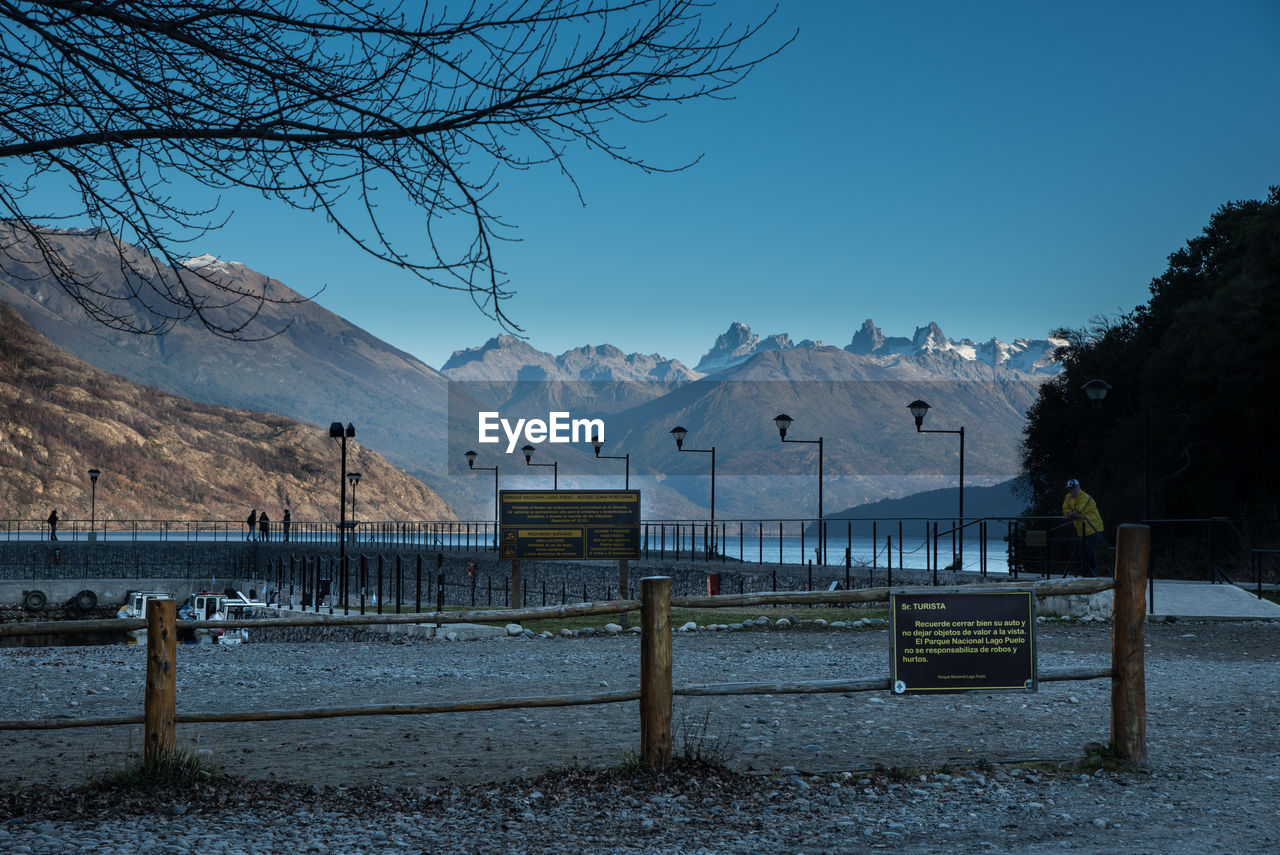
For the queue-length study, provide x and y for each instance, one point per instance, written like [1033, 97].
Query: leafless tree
[327, 106]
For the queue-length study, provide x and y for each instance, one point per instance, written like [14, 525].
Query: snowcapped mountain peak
[1035, 356]
[508, 357]
[209, 263]
[738, 344]
[930, 338]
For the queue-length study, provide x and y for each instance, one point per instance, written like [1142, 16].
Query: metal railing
[1218, 549]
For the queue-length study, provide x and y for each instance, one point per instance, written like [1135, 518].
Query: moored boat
[214, 605]
[135, 606]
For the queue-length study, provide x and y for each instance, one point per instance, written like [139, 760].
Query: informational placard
[569, 525]
[957, 641]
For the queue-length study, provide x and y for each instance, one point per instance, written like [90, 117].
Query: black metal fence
[397, 582]
[1216, 549]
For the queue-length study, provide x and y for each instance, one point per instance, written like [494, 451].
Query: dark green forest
[1195, 387]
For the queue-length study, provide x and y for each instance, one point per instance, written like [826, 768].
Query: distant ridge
[507, 357]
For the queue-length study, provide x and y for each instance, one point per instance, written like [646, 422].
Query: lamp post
[783, 421]
[93, 504]
[1096, 391]
[680, 433]
[599, 443]
[341, 434]
[919, 409]
[354, 479]
[555, 466]
[471, 464]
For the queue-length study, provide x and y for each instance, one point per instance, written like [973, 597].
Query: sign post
[568, 525]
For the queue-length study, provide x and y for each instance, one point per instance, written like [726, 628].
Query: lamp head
[93, 475]
[783, 421]
[528, 453]
[679, 433]
[1096, 390]
[597, 443]
[353, 477]
[351, 429]
[919, 409]
[335, 430]
[471, 459]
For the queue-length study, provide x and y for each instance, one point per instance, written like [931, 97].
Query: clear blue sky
[1002, 168]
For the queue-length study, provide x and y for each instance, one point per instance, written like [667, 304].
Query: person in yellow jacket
[1081, 509]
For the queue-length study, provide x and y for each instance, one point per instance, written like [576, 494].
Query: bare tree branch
[327, 106]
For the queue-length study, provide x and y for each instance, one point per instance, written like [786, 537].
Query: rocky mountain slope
[162, 456]
[319, 368]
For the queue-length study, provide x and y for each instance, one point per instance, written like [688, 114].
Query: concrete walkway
[1200, 600]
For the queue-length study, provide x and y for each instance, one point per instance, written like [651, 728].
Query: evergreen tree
[1193, 375]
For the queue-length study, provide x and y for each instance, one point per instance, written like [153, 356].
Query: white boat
[214, 605]
[135, 606]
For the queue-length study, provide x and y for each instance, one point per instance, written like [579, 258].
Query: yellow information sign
[569, 525]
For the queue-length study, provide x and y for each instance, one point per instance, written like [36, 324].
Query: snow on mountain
[1032, 356]
[506, 357]
[210, 263]
[739, 343]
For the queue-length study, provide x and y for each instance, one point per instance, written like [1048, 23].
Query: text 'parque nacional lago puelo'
[558, 427]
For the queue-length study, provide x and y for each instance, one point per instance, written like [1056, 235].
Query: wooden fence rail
[655, 693]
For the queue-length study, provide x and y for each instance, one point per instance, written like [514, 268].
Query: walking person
[264, 527]
[53, 524]
[1082, 510]
[284, 524]
[252, 523]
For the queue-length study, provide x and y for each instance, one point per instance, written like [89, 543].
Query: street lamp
[93, 504]
[353, 478]
[919, 409]
[471, 464]
[341, 434]
[680, 433]
[555, 466]
[783, 421]
[599, 443]
[1097, 390]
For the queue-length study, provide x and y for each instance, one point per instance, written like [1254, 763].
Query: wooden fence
[655, 692]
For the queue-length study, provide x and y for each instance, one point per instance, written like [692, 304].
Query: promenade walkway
[1202, 600]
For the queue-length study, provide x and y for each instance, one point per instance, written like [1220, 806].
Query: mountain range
[319, 368]
[1031, 356]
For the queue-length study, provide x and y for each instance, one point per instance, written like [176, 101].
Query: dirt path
[1208, 685]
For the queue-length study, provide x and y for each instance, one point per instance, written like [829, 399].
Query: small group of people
[1079, 507]
[258, 526]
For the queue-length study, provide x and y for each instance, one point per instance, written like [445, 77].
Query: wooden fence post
[1128, 681]
[159, 703]
[624, 588]
[655, 671]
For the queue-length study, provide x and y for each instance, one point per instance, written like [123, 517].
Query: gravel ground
[962, 773]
